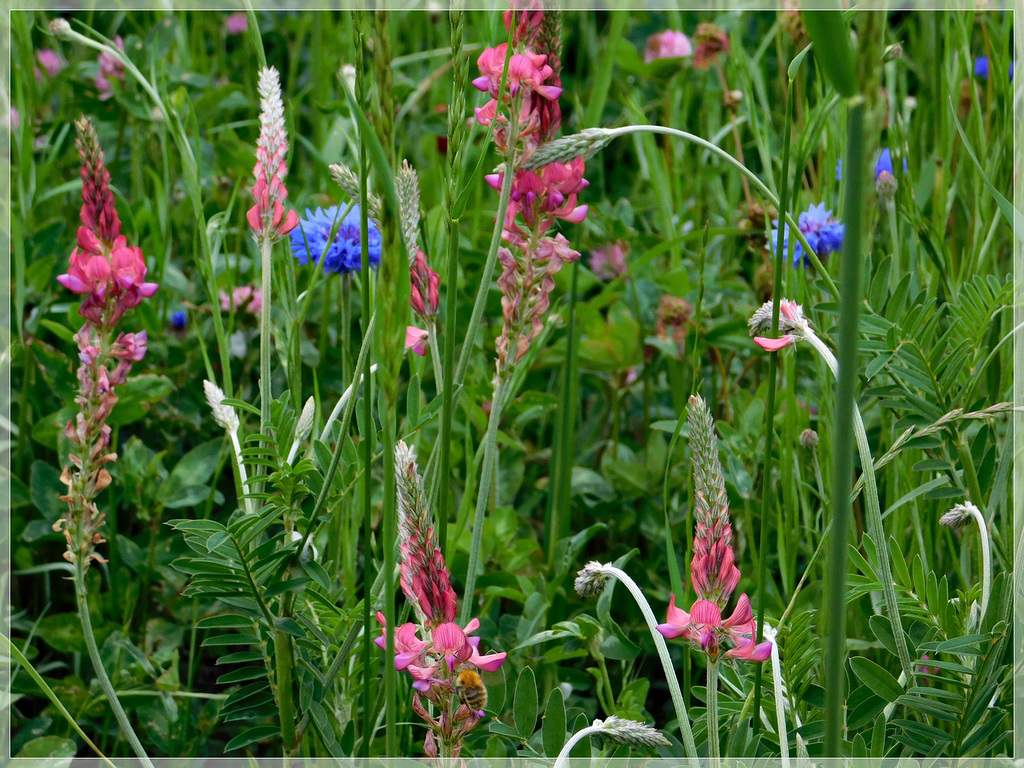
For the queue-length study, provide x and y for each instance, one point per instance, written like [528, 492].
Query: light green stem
[666, 661]
[874, 515]
[483, 495]
[713, 745]
[284, 662]
[265, 388]
[82, 595]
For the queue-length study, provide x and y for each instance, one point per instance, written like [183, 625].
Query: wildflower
[809, 439]
[673, 315]
[669, 44]
[545, 194]
[342, 254]
[267, 218]
[609, 261]
[242, 297]
[981, 67]
[712, 570]
[110, 275]
[711, 41]
[527, 17]
[178, 320]
[416, 339]
[111, 68]
[885, 179]
[526, 70]
[425, 287]
[236, 23]
[435, 649]
[791, 324]
[50, 61]
[823, 233]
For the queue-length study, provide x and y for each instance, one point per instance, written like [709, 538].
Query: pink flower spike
[416, 339]
[774, 345]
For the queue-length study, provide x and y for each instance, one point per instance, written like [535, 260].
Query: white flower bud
[224, 415]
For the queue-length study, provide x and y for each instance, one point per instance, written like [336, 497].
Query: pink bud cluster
[110, 275]
[425, 287]
[268, 218]
[529, 256]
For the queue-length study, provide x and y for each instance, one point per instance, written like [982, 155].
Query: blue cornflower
[981, 67]
[178, 320]
[342, 254]
[884, 164]
[824, 234]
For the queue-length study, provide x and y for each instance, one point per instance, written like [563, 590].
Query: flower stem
[713, 745]
[265, 389]
[986, 560]
[284, 662]
[666, 661]
[483, 495]
[576, 738]
[81, 598]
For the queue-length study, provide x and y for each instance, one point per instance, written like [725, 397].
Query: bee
[470, 689]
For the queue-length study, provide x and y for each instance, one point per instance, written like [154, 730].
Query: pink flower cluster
[242, 297]
[106, 270]
[268, 218]
[713, 572]
[609, 261]
[50, 61]
[669, 44]
[111, 68]
[111, 276]
[529, 257]
[435, 650]
[425, 287]
[711, 41]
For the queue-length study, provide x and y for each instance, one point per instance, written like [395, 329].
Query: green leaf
[251, 736]
[877, 679]
[833, 50]
[49, 746]
[553, 726]
[227, 621]
[524, 708]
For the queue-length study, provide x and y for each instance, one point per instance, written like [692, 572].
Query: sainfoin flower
[111, 68]
[50, 61]
[311, 240]
[110, 276]
[416, 339]
[669, 44]
[609, 261]
[821, 229]
[236, 23]
[268, 218]
[242, 297]
[435, 649]
[713, 572]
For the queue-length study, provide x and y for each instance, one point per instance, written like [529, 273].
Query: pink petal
[672, 631]
[741, 614]
[676, 616]
[489, 662]
[416, 339]
[774, 345]
[577, 215]
[751, 652]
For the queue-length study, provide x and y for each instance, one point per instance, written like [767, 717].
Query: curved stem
[666, 661]
[576, 738]
[986, 560]
[874, 515]
[81, 599]
[760, 185]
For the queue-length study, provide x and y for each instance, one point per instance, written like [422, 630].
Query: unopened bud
[886, 185]
[732, 98]
[893, 52]
[224, 415]
[305, 424]
[60, 27]
[809, 439]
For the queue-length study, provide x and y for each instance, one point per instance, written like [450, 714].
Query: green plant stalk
[284, 662]
[773, 379]
[452, 219]
[561, 509]
[389, 542]
[82, 601]
[712, 712]
[483, 495]
[367, 441]
[855, 178]
[682, 716]
[266, 394]
[19, 657]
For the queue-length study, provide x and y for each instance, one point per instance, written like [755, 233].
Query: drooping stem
[483, 495]
[713, 746]
[666, 661]
[873, 518]
[82, 601]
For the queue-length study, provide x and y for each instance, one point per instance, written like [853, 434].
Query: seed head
[591, 579]
[630, 732]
